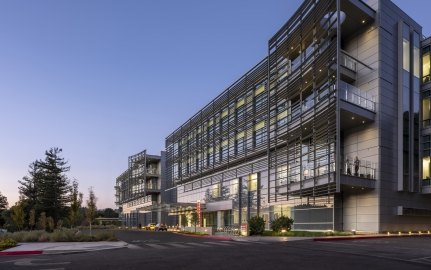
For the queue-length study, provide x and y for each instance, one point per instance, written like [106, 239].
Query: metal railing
[426, 182]
[359, 168]
[356, 96]
[230, 230]
[152, 171]
[348, 62]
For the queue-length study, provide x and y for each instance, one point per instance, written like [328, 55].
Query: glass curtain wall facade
[305, 132]
[426, 114]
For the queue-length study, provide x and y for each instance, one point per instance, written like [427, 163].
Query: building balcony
[357, 106]
[358, 173]
[151, 172]
[354, 95]
[152, 189]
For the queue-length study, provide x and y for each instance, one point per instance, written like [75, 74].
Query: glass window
[416, 59]
[252, 182]
[426, 168]
[426, 112]
[234, 187]
[281, 175]
[406, 55]
[215, 191]
[426, 65]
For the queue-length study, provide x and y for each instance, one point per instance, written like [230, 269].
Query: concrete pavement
[61, 247]
[75, 247]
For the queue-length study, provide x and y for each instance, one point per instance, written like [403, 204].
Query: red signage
[198, 212]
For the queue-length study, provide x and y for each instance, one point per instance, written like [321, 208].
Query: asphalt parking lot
[161, 250]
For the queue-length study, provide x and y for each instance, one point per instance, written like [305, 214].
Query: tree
[3, 202]
[53, 190]
[18, 215]
[256, 225]
[91, 207]
[29, 184]
[108, 213]
[194, 219]
[42, 221]
[46, 188]
[32, 219]
[76, 202]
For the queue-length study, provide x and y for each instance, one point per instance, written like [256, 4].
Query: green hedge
[7, 243]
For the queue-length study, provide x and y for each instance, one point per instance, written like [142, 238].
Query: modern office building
[326, 129]
[142, 192]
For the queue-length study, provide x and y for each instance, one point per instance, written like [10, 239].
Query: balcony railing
[152, 171]
[348, 62]
[426, 182]
[356, 96]
[359, 168]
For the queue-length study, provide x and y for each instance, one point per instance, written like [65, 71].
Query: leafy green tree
[184, 220]
[256, 225]
[32, 219]
[194, 219]
[18, 215]
[42, 221]
[50, 226]
[3, 202]
[91, 207]
[108, 213]
[76, 202]
[3, 207]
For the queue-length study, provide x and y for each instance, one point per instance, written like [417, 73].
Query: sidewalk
[322, 238]
[61, 247]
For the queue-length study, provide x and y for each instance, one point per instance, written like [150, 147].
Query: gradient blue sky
[106, 79]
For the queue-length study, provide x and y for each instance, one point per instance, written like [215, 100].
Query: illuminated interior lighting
[353, 118]
[363, 21]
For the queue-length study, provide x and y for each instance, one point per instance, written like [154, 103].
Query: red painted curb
[23, 252]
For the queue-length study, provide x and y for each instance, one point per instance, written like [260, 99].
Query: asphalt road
[161, 250]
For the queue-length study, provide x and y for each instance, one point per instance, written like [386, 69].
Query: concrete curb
[48, 251]
[365, 237]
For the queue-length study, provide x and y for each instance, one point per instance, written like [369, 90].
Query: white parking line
[198, 245]
[177, 245]
[157, 246]
[218, 244]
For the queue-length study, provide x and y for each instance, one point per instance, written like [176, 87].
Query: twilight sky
[105, 79]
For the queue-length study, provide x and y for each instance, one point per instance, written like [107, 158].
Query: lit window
[252, 182]
[406, 55]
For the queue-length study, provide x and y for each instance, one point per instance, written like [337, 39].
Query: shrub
[7, 243]
[282, 223]
[256, 225]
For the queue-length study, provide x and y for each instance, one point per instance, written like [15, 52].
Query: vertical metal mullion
[337, 115]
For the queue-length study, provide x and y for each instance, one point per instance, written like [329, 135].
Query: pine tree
[28, 191]
[53, 189]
